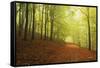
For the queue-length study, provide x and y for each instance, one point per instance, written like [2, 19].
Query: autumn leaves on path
[44, 52]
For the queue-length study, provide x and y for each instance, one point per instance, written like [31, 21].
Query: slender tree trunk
[89, 34]
[23, 14]
[26, 24]
[47, 23]
[52, 22]
[20, 19]
[42, 22]
[46, 17]
[39, 20]
[30, 22]
[33, 26]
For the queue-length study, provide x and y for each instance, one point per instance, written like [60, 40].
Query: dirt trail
[43, 52]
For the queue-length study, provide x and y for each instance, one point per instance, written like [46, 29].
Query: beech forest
[52, 33]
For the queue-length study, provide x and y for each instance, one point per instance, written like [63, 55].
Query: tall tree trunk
[33, 26]
[23, 14]
[30, 22]
[39, 20]
[52, 22]
[47, 22]
[20, 19]
[46, 12]
[89, 34]
[26, 24]
[42, 22]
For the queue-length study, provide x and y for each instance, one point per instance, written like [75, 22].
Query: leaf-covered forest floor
[45, 51]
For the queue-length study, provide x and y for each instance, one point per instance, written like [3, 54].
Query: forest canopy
[62, 23]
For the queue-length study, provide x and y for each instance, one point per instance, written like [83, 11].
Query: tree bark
[89, 34]
[46, 20]
[26, 25]
[52, 22]
[42, 22]
[33, 26]
[20, 19]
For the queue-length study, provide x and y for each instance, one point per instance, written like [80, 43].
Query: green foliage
[69, 23]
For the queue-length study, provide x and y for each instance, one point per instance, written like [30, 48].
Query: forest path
[44, 52]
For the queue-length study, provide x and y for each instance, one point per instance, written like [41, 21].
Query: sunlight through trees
[58, 23]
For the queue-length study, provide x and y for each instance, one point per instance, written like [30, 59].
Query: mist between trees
[74, 24]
